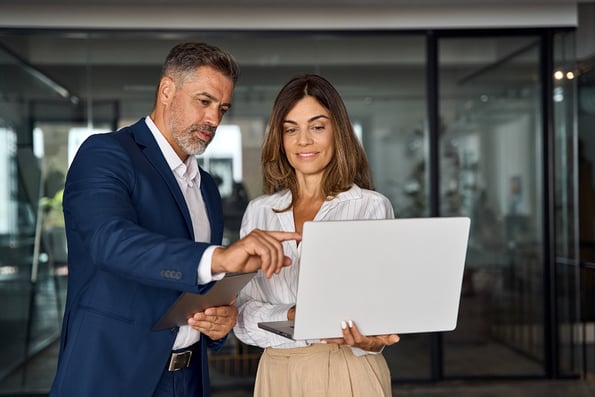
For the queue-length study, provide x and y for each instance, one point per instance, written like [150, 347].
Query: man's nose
[212, 116]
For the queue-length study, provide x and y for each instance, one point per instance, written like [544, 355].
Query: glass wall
[29, 285]
[491, 151]
[491, 155]
[586, 197]
[565, 272]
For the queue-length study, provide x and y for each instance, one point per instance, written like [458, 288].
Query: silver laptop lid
[388, 276]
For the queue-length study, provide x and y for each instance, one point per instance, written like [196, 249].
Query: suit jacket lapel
[148, 145]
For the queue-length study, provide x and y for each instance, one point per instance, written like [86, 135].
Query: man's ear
[166, 90]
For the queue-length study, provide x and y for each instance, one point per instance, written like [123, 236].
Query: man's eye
[205, 102]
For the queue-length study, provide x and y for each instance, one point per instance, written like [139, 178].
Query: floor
[35, 378]
[574, 388]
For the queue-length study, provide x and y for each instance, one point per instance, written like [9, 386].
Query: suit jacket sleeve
[122, 214]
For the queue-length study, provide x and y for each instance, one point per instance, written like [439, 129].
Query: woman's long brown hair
[349, 164]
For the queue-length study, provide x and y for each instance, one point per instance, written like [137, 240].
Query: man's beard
[190, 142]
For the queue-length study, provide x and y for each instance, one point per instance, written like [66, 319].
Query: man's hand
[215, 322]
[258, 250]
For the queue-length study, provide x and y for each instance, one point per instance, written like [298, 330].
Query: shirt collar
[187, 170]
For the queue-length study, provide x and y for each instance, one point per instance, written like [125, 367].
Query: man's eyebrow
[311, 119]
[210, 96]
[214, 99]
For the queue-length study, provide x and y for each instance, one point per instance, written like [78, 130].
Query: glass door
[491, 156]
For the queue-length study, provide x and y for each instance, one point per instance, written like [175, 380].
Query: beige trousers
[321, 370]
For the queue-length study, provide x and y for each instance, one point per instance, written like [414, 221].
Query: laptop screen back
[388, 276]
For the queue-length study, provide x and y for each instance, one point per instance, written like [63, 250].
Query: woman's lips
[307, 155]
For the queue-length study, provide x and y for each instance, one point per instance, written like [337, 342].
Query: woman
[314, 169]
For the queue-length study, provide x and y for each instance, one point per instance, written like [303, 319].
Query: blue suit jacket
[131, 251]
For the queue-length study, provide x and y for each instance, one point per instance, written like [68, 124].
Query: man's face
[196, 108]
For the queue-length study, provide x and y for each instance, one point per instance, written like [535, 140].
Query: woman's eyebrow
[320, 116]
[311, 119]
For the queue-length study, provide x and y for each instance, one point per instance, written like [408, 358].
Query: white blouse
[269, 299]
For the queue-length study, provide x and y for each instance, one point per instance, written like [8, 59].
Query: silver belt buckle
[180, 360]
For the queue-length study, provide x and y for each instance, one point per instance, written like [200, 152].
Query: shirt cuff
[204, 267]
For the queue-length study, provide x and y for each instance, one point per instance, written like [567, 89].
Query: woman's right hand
[352, 337]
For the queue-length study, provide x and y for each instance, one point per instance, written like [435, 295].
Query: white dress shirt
[269, 299]
[188, 177]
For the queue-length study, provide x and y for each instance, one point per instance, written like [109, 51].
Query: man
[143, 224]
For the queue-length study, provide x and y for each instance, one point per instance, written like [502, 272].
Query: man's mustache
[204, 127]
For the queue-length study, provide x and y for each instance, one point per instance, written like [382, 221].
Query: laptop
[390, 276]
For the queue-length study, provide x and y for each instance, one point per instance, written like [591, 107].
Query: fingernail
[343, 324]
[350, 324]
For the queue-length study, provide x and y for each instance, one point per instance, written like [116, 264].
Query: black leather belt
[179, 360]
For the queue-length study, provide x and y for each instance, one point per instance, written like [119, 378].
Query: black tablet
[221, 294]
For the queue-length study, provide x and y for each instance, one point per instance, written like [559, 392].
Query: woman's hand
[352, 337]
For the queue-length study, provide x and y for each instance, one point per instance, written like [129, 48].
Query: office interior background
[476, 108]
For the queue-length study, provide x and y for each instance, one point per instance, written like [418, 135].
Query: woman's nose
[304, 137]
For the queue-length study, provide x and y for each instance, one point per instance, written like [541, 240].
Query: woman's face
[308, 137]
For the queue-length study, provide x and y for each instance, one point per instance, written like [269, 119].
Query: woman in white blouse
[314, 169]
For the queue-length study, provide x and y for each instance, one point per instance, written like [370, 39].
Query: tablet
[221, 294]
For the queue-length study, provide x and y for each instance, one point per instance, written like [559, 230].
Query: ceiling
[290, 2]
[123, 65]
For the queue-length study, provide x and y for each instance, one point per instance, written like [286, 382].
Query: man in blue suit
[143, 224]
